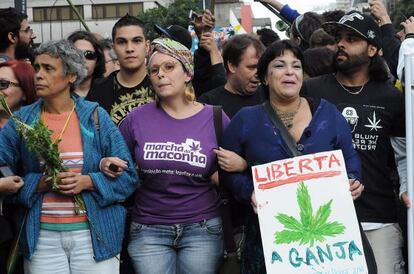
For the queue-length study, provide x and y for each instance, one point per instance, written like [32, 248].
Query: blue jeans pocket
[135, 229]
[214, 226]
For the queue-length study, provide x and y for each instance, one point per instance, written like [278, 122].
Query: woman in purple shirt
[176, 225]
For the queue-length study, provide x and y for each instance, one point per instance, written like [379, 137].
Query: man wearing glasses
[16, 36]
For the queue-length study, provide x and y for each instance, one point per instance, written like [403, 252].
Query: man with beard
[240, 56]
[16, 36]
[359, 88]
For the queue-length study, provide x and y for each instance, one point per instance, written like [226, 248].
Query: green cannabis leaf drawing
[310, 228]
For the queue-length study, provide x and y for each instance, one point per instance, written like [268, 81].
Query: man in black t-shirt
[240, 56]
[129, 87]
[125, 89]
[374, 110]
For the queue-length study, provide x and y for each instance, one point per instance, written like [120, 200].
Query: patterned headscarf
[175, 50]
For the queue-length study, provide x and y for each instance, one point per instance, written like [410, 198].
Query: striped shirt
[58, 211]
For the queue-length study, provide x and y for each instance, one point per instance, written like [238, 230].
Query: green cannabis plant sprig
[310, 228]
[39, 141]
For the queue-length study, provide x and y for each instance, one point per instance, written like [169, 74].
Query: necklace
[349, 91]
[59, 137]
[288, 116]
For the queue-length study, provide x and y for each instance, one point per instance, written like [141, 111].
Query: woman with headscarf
[176, 225]
[58, 235]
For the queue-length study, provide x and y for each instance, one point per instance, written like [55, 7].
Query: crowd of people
[159, 141]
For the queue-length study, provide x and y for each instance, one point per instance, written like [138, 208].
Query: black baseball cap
[177, 33]
[362, 24]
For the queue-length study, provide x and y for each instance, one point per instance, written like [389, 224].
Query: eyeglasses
[28, 30]
[4, 84]
[166, 67]
[90, 55]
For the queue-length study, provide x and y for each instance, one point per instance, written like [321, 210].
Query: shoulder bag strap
[277, 123]
[218, 122]
[230, 245]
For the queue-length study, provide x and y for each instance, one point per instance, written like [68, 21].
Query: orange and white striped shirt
[58, 211]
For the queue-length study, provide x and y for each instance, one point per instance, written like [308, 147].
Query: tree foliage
[403, 9]
[175, 14]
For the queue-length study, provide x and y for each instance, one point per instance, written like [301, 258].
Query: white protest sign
[307, 217]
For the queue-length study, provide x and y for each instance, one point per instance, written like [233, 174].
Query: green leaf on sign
[311, 227]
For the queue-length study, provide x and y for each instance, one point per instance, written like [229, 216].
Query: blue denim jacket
[105, 213]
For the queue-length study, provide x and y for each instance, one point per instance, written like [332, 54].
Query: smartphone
[5, 171]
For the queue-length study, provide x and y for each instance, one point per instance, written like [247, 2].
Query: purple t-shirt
[175, 158]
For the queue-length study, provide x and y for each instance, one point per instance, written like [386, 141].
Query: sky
[260, 11]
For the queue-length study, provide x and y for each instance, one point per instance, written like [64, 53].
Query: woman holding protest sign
[286, 125]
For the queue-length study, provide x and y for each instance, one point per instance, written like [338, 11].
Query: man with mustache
[16, 36]
[360, 84]
[240, 57]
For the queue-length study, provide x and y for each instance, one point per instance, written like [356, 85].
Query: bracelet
[409, 35]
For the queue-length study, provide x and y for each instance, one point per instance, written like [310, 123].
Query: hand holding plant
[38, 140]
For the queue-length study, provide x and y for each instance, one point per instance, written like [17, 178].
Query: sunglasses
[90, 55]
[166, 67]
[4, 84]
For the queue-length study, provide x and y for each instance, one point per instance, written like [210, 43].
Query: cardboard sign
[307, 217]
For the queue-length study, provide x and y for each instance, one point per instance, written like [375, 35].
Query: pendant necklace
[288, 116]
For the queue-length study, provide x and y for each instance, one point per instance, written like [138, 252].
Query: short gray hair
[72, 58]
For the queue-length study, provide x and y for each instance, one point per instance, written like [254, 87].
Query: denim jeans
[67, 252]
[177, 249]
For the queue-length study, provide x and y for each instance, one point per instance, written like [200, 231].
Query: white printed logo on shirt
[188, 152]
[373, 123]
[351, 117]
[362, 141]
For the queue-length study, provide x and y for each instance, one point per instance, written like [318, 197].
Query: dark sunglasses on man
[90, 55]
[4, 84]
